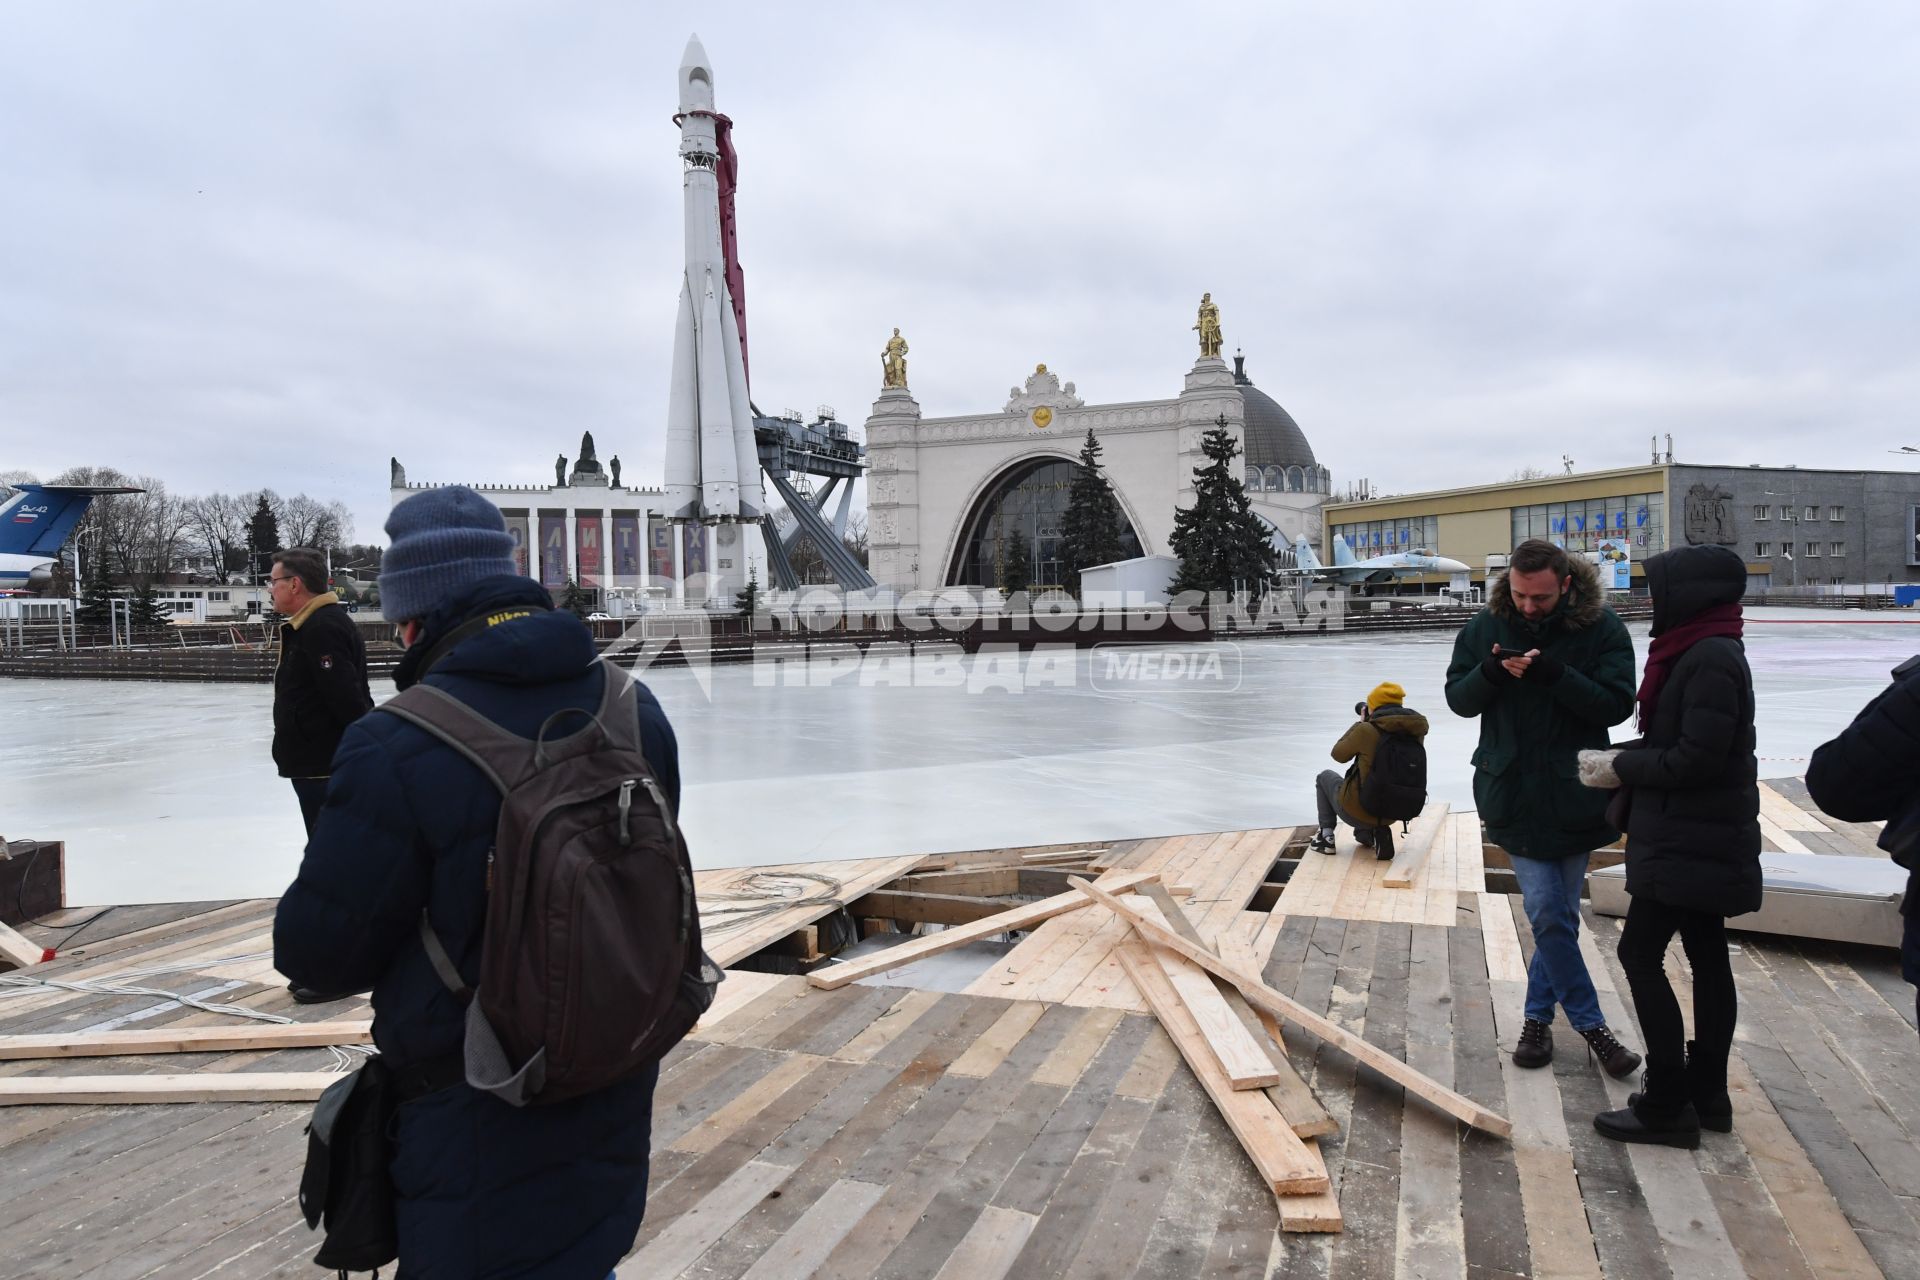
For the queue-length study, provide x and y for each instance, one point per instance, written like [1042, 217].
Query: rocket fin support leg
[682, 480]
[719, 461]
[753, 500]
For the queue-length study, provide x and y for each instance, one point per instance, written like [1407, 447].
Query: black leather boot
[1536, 1044]
[1618, 1060]
[1663, 1116]
[1710, 1100]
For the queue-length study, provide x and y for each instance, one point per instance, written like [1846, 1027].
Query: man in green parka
[1549, 669]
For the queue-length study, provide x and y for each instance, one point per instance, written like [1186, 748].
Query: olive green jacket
[1525, 777]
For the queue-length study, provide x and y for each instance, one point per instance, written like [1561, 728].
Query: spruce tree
[96, 602]
[747, 599]
[574, 600]
[1219, 540]
[263, 536]
[143, 613]
[1090, 529]
[1016, 573]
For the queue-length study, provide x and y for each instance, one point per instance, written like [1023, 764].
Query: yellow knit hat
[1385, 693]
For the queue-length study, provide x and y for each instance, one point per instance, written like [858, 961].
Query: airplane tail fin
[1342, 553]
[36, 518]
[1303, 557]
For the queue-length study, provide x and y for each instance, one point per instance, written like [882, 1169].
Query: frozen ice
[164, 792]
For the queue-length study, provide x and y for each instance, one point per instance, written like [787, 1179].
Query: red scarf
[1666, 648]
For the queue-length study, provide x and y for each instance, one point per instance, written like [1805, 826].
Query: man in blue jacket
[1872, 772]
[483, 1188]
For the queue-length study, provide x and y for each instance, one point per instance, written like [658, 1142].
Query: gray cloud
[270, 246]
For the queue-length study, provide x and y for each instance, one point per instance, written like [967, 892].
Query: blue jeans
[1550, 892]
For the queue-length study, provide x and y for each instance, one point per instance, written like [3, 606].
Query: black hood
[1687, 581]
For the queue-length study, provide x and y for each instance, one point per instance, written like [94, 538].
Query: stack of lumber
[1226, 1023]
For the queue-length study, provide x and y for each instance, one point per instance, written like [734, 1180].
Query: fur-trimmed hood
[1584, 603]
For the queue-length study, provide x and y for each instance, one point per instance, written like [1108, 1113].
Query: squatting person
[1342, 797]
[1548, 669]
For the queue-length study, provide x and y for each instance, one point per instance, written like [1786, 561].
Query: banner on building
[553, 551]
[517, 530]
[694, 543]
[660, 550]
[588, 544]
[626, 551]
[1616, 564]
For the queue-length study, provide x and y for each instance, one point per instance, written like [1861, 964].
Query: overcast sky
[246, 244]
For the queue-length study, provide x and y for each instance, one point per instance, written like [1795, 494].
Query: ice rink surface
[164, 792]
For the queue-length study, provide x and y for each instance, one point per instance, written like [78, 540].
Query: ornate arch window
[1026, 503]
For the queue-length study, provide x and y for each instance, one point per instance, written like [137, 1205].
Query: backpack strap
[506, 758]
[617, 715]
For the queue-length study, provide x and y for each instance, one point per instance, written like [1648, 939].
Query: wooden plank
[175, 1039]
[1071, 1056]
[1432, 1238]
[1319, 1212]
[884, 1029]
[1148, 1076]
[988, 1249]
[984, 884]
[1244, 1063]
[820, 1228]
[1778, 837]
[1501, 939]
[1813, 1216]
[717, 1127]
[16, 950]
[1279, 1154]
[1022, 917]
[208, 1086]
[991, 1049]
[1785, 814]
[1420, 836]
[692, 1233]
[1239, 1055]
[923, 908]
[1260, 995]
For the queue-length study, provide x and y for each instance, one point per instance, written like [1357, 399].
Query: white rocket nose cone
[696, 78]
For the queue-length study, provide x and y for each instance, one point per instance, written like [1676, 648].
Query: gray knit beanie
[438, 542]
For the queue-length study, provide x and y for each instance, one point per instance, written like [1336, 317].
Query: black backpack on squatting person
[1395, 789]
[591, 966]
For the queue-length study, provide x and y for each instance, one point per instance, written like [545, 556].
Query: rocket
[713, 466]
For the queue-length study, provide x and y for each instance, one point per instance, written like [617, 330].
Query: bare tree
[218, 522]
[309, 522]
[134, 535]
[855, 537]
[1526, 473]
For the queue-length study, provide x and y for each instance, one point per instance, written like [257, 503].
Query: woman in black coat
[1693, 840]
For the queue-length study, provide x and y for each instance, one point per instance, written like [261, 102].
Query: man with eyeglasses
[320, 680]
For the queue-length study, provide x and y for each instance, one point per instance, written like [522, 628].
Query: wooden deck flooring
[884, 1131]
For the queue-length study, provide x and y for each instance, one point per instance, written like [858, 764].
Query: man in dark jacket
[484, 1188]
[1872, 772]
[320, 680]
[1338, 796]
[1548, 668]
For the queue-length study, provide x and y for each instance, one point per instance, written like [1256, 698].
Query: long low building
[1794, 526]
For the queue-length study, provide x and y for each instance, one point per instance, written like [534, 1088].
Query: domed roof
[1273, 437]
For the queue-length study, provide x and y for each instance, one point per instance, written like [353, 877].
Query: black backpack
[590, 966]
[1395, 789]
